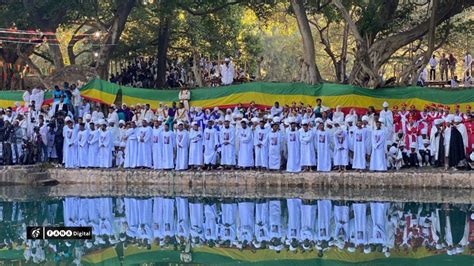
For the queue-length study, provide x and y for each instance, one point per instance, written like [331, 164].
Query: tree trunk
[163, 44]
[112, 38]
[57, 56]
[314, 77]
[196, 70]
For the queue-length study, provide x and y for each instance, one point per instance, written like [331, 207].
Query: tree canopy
[368, 43]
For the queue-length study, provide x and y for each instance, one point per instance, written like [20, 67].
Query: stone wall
[388, 180]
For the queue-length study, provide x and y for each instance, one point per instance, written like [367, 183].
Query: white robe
[70, 147]
[83, 148]
[379, 216]
[261, 153]
[131, 148]
[360, 223]
[308, 222]
[341, 219]
[167, 144]
[308, 156]
[196, 218]
[378, 159]
[210, 225]
[324, 154]
[227, 140]
[210, 144]
[262, 221]
[195, 147]
[144, 157]
[324, 220]
[247, 221]
[245, 148]
[169, 221]
[229, 221]
[341, 149]
[359, 148]
[275, 140]
[182, 148]
[182, 217]
[93, 142]
[276, 230]
[294, 219]
[157, 153]
[105, 149]
[293, 145]
[157, 217]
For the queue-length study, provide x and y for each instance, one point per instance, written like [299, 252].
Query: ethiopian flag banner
[264, 94]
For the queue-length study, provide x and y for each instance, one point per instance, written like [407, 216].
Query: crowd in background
[296, 137]
[447, 64]
[143, 73]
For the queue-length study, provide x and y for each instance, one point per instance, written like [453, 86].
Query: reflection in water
[279, 225]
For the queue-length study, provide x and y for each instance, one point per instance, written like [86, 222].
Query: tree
[384, 27]
[309, 59]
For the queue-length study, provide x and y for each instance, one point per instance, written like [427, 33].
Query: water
[220, 230]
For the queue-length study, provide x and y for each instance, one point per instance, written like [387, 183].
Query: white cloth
[131, 148]
[70, 147]
[324, 154]
[293, 147]
[93, 141]
[167, 144]
[245, 147]
[378, 160]
[210, 144]
[83, 148]
[275, 148]
[227, 140]
[144, 156]
[359, 148]
[105, 149]
[341, 149]
[308, 156]
[195, 147]
[260, 140]
[182, 149]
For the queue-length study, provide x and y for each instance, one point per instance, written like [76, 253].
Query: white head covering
[424, 130]
[304, 122]
[121, 122]
[276, 119]
[228, 118]
[88, 116]
[365, 118]
[439, 121]
[385, 104]
[413, 145]
[291, 120]
[457, 119]
[255, 120]
[244, 120]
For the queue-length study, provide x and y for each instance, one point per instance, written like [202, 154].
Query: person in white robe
[341, 220]
[182, 147]
[70, 145]
[105, 147]
[341, 149]
[435, 135]
[294, 223]
[168, 230]
[182, 230]
[210, 223]
[228, 230]
[131, 147]
[275, 220]
[83, 146]
[323, 140]
[386, 116]
[293, 147]
[167, 144]
[324, 220]
[378, 212]
[210, 144]
[308, 224]
[196, 157]
[261, 146]
[144, 157]
[157, 218]
[359, 147]
[275, 146]
[360, 223]
[156, 151]
[246, 227]
[245, 136]
[308, 156]
[378, 159]
[93, 143]
[196, 219]
[262, 223]
[227, 141]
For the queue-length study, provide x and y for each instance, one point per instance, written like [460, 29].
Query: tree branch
[205, 12]
[45, 57]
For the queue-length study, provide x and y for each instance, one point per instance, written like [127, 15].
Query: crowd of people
[448, 64]
[294, 225]
[293, 138]
[143, 73]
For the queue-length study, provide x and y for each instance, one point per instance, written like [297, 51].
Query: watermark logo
[60, 232]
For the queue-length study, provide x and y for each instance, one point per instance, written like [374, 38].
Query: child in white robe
[341, 149]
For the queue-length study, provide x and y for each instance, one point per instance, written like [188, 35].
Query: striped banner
[264, 94]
